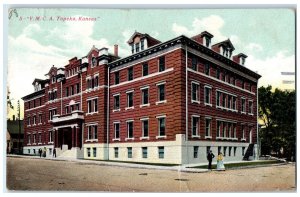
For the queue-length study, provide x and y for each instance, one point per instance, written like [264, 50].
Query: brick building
[168, 102]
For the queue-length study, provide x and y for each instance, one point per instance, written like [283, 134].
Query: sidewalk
[181, 168]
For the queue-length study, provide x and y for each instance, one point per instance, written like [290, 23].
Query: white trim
[215, 79]
[115, 110]
[116, 94]
[225, 120]
[89, 98]
[160, 83]
[28, 100]
[144, 118]
[116, 139]
[143, 78]
[160, 116]
[225, 92]
[198, 92]
[129, 91]
[127, 139]
[161, 137]
[144, 138]
[160, 102]
[130, 120]
[128, 108]
[35, 108]
[144, 87]
[91, 124]
[145, 105]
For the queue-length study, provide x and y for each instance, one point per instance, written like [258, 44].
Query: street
[50, 175]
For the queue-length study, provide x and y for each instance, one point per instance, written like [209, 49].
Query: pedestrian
[210, 157]
[220, 164]
[40, 152]
[44, 152]
[54, 152]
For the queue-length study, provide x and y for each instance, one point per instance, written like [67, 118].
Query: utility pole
[19, 148]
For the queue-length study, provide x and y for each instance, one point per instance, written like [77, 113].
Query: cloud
[212, 24]
[270, 69]
[254, 47]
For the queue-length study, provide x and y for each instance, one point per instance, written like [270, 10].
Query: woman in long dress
[220, 164]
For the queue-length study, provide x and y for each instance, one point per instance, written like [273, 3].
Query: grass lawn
[242, 164]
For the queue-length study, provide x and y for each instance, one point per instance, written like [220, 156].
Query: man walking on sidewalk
[210, 157]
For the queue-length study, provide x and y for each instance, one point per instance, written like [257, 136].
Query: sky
[266, 36]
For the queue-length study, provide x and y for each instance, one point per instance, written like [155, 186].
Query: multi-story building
[168, 102]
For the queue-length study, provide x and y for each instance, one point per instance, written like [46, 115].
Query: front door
[67, 137]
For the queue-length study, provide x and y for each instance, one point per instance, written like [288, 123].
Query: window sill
[161, 102]
[116, 139]
[128, 108]
[234, 139]
[50, 142]
[40, 143]
[115, 110]
[129, 139]
[28, 125]
[243, 112]
[243, 140]
[28, 144]
[161, 137]
[91, 113]
[144, 138]
[40, 123]
[33, 143]
[208, 137]
[93, 140]
[251, 114]
[208, 104]
[219, 138]
[194, 101]
[196, 136]
[145, 105]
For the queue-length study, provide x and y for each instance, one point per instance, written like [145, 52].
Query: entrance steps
[74, 153]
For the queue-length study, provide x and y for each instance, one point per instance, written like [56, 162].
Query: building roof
[227, 43]
[142, 36]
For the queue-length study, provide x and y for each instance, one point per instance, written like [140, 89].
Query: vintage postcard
[151, 100]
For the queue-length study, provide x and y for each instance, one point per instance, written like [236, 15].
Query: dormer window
[242, 61]
[132, 48]
[137, 47]
[94, 62]
[207, 41]
[142, 44]
[53, 80]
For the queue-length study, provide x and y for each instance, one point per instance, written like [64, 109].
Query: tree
[277, 110]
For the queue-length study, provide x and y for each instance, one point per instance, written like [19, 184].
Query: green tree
[277, 110]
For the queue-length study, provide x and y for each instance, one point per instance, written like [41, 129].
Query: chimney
[116, 50]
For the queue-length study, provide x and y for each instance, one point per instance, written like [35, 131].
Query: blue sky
[267, 36]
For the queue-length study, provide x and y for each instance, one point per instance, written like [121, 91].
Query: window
[161, 152]
[129, 152]
[89, 106]
[243, 132]
[52, 113]
[40, 118]
[34, 138]
[117, 130]
[229, 102]
[145, 128]
[224, 151]
[142, 44]
[218, 128]
[250, 88]
[144, 152]
[33, 103]
[28, 139]
[92, 132]
[130, 129]
[117, 77]
[137, 47]
[229, 130]
[218, 99]
[218, 74]
[234, 130]
[145, 99]
[195, 92]
[116, 152]
[207, 95]
[195, 125]
[145, 69]
[196, 150]
[206, 69]
[243, 105]
[40, 138]
[250, 107]
[67, 109]
[34, 120]
[94, 152]
[229, 151]
[50, 136]
[224, 76]
[161, 64]
[130, 74]
[88, 152]
[29, 104]
[132, 48]
[67, 91]
[162, 126]
[161, 92]
[77, 88]
[207, 127]
[96, 81]
[130, 99]
[234, 151]
[224, 101]
[234, 103]
[194, 64]
[72, 90]
[243, 84]
[224, 130]
[117, 102]
[95, 102]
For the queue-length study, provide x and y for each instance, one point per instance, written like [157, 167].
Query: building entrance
[65, 137]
